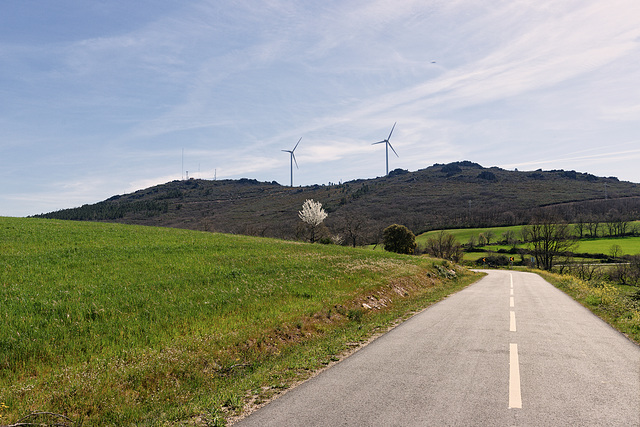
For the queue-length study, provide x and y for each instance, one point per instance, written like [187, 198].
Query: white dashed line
[515, 398]
[512, 322]
[511, 302]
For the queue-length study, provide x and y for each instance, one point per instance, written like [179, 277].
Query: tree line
[110, 210]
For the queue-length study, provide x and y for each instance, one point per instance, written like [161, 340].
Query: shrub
[398, 172]
[355, 315]
[399, 239]
[489, 176]
[494, 260]
[444, 245]
[451, 169]
[627, 273]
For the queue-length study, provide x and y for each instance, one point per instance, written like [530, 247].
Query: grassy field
[603, 245]
[112, 324]
[628, 245]
[463, 234]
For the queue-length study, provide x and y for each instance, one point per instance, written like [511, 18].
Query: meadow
[116, 324]
[463, 235]
[628, 245]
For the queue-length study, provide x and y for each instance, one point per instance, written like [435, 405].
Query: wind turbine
[388, 145]
[293, 158]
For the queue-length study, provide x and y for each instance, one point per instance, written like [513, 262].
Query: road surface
[510, 350]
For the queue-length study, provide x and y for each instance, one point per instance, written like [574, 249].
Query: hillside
[461, 194]
[114, 324]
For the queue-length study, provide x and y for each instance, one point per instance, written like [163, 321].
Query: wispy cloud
[234, 83]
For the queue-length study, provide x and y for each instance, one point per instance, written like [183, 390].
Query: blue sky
[103, 97]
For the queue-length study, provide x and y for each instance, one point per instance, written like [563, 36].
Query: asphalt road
[510, 350]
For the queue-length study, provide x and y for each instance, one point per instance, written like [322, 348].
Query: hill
[456, 195]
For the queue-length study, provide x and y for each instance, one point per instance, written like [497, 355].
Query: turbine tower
[293, 158]
[387, 146]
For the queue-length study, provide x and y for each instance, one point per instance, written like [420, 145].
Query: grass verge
[122, 325]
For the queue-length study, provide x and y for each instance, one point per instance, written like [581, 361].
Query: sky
[106, 97]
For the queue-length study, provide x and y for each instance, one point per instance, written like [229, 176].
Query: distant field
[464, 234]
[114, 324]
[628, 245]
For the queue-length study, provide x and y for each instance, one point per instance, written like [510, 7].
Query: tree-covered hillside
[461, 194]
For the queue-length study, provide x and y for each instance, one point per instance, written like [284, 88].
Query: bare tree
[509, 238]
[586, 271]
[489, 236]
[549, 240]
[471, 244]
[613, 223]
[524, 233]
[353, 227]
[312, 214]
[444, 245]
[580, 226]
[627, 273]
[593, 225]
[615, 251]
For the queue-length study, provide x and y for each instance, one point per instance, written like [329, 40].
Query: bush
[451, 169]
[355, 315]
[494, 260]
[489, 176]
[627, 273]
[399, 239]
[444, 245]
[398, 172]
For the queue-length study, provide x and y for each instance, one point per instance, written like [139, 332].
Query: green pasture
[464, 234]
[628, 245]
[123, 325]
[602, 245]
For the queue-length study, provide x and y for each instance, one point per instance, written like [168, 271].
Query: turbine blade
[391, 146]
[286, 151]
[294, 148]
[394, 126]
[293, 156]
[380, 142]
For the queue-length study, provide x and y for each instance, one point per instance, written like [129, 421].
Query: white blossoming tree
[312, 214]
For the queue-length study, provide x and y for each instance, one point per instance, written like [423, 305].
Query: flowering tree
[312, 214]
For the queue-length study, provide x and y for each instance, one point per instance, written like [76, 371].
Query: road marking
[511, 293]
[511, 302]
[512, 322]
[511, 279]
[515, 398]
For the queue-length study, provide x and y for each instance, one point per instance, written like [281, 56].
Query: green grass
[601, 245]
[628, 245]
[112, 324]
[463, 234]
